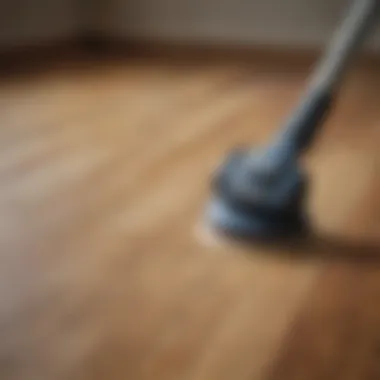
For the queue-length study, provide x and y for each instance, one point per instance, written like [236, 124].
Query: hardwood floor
[106, 271]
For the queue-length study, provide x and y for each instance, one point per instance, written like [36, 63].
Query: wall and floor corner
[24, 22]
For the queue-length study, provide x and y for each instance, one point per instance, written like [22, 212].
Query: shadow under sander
[260, 193]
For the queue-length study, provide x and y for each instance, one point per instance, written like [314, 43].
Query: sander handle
[325, 82]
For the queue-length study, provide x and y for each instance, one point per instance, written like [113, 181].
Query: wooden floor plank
[106, 269]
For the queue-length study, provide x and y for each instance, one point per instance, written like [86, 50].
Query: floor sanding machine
[260, 192]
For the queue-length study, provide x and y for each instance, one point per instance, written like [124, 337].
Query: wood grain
[106, 271]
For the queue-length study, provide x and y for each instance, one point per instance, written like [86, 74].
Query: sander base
[250, 226]
[249, 204]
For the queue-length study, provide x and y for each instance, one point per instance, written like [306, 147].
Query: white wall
[36, 21]
[286, 22]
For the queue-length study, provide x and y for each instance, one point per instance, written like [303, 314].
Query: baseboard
[98, 47]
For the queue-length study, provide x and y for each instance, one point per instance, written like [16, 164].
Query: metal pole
[327, 78]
